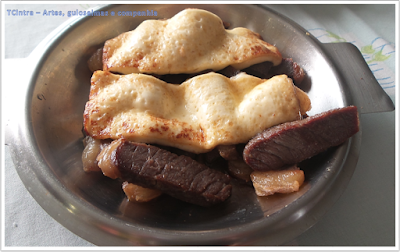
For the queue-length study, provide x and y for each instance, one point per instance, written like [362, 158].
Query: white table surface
[363, 216]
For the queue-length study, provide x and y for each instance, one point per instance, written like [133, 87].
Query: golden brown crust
[201, 113]
[192, 41]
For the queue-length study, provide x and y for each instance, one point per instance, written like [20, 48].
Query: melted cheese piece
[192, 41]
[201, 113]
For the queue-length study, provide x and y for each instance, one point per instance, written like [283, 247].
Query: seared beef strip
[237, 168]
[264, 70]
[288, 67]
[260, 70]
[179, 176]
[228, 152]
[293, 142]
[228, 71]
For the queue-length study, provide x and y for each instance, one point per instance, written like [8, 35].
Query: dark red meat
[178, 176]
[293, 142]
[288, 67]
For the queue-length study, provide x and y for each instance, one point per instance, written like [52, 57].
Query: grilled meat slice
[178, 176]
[292, 142]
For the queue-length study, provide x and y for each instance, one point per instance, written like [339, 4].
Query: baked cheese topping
[192, 41]
[201, 113]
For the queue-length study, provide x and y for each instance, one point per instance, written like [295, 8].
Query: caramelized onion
[95, 62]
[137, 193]
[278, 181]
[105, 160]
[89, 154]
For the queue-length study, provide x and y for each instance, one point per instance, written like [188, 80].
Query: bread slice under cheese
[201, 113]
[191, 41]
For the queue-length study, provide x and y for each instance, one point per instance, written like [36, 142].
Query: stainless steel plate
[47, 144]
